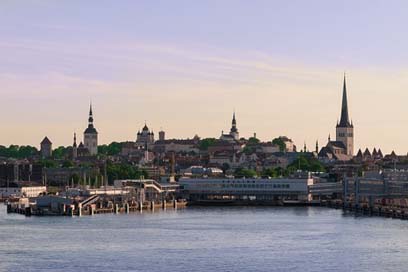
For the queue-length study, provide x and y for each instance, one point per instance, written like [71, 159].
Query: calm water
[205, 239]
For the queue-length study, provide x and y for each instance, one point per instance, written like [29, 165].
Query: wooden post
[356, 193]
[79, 210]
[27, 211]
[345, 191]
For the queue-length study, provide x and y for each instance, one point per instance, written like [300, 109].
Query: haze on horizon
[184, 66]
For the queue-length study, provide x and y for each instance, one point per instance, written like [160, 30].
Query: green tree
[253, 141]
[225, 167]
[271, 172]
[67, 164]
[112, 149]
[206, 143]
[306, 164]
[243, 172]
[18, 152]
[48, 163]
[60, 152]
[124, 171]
[279, 142]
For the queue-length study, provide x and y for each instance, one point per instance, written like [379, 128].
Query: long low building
[246, 190]
[22, 191]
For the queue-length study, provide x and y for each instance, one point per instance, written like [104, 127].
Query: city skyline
[187, 79]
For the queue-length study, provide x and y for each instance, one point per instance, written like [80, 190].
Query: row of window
[257, 186]
[344, 134]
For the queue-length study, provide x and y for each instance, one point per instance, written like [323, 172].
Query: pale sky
[185, 65]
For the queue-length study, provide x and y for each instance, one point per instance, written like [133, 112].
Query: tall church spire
[91, 135]
[344, 119]
[234, 124]
[90, 119]
[234, 130]
[75, 143]
[345, 129]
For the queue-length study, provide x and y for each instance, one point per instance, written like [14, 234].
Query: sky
[184, 66]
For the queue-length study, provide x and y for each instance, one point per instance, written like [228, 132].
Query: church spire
[234, 124]
[90, 119]
[344, 118]
[75, 143]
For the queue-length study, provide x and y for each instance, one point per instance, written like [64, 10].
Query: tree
[306, 164]
[206, 143]
[279, 142]
[271, 172]
[251, 145]
[112, 149]
[18, 152]
[247, 173]
[123, 171]
[48, 163]
[253, 141]
[60, 152]
[67, 164]
[225, 167]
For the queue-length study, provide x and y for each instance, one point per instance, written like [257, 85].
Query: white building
[24, 191]
[233, 135]
[244, 189]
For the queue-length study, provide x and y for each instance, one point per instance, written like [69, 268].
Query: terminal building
[257, 191]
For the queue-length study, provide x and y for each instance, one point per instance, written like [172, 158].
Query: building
[16, 170]
[345, 128]
[289, 145]
[162, 135]
[233, 135]
[246, 191]
[177, 145]
[74, 148]
[22, 191]
[145, 137]
[342, 148]
[46, 148]
[91, 135]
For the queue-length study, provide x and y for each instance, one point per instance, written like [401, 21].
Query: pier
[126, 197]
[365, 195]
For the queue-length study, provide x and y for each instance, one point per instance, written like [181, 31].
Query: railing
[362, 187]
[90, 200]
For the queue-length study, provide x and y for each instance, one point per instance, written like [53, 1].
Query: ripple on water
[203, 239]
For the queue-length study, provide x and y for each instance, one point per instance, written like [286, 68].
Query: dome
[90, 130]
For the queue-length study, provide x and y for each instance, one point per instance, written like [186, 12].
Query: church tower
[234, 131]
[91, 135]
[345, 128]
[74, 148]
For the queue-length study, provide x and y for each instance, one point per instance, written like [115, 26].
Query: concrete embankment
[384, 210]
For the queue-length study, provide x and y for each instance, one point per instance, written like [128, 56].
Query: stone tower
[162, 135]
[345, 128]
[91, 136]
[46, 148]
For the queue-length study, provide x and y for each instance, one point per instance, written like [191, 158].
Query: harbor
[125, 197]
[374, 194]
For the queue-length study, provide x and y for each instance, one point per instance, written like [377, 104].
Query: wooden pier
[101, 207]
